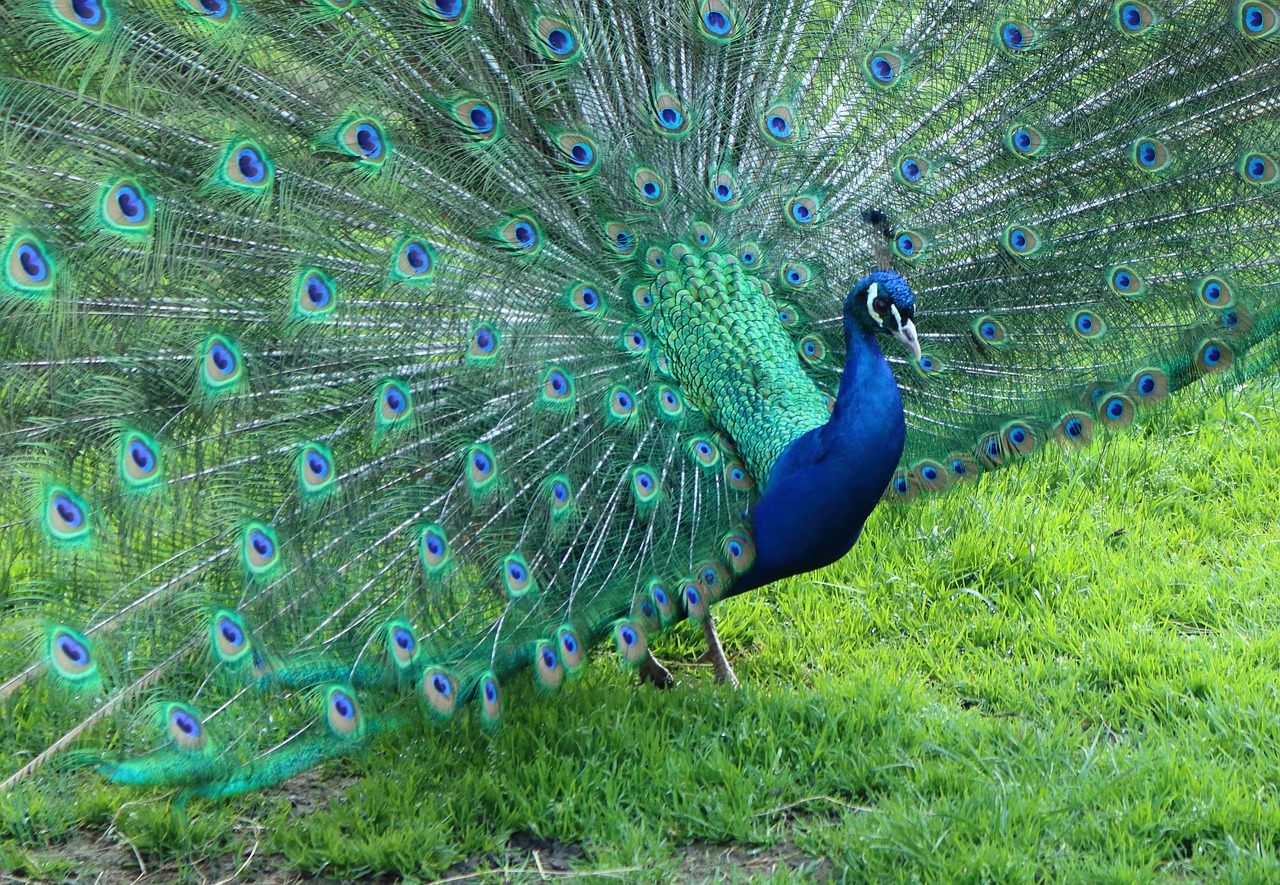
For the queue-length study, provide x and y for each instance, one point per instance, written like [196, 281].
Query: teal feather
[357, 358]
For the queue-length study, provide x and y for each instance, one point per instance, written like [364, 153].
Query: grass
[1067, 673]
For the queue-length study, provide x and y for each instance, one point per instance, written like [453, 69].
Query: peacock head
[883, 302]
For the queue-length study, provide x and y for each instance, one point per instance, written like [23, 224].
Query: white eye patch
[873, 292]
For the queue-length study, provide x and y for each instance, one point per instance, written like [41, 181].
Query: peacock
[360, 357]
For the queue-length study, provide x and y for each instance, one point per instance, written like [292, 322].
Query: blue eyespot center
[988, 331]
[141, 456]
[801, 213]
[72, 650]
[1254, 20]
[560, 41]
[185, 722]
[343, 706]
[1115, 409]
[435, 546]
[1074, 428]
[441, 685]
[484, 340]
[89, 12]
[68, 511]
[568, 643]
[250, 164]
[1013, 36]
[779, 125]
[394, 400]
[481, 119]
[369, 141]
[929, 473]
[403, 639]
[481, 462]
[490, 691]
[717, 22]
[670, 118]
[581, 153]
[548, 659]
[560, 492]
[231, 632]
[1132, 17]
[33, 263]
[318, 292]
[261, 544]
[416, 256]
[130, 204]
[525, 235]
[911, 170]
[628, 636]
[882, 69]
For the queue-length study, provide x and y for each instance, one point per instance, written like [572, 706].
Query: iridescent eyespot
[126, 208]
[788, 316]
[1215, 292]
[65, 517]
[1018, 439]
[258, 549]
[556, 39]
[414, 261]
[642, 298]
[630, 642]
[228, 638]
[1149, 155]
[927, 365]
[1134, 17]
[1149, 386]
[578, 150]
[702, 234]
[572, 652]
[620, 238]
[1236, 320]
[991, 450]
[184, 727]
[802, 211]
[1214, 356]
[931, 476]
[557, 387]
[962, 468]
[1025, 141]
[1125, 282]
[1258, 19]
[989, 330]
[670, 405]
[620, 403]
[402, 643]
[1020, 240]
[649, 187]
[778, 124]
[27, 265]
[86, 16]
[739, 550]
[548, 670]
[482, 470]
[669, 117]
[724, 191]
[522, 235]
[433, 548]
[1088, 324]
[1016, 36]
[585, 298]
[750, 255]
[645, 487]
[812, 349]
[516, 578]
[362, 138]
[447, 11]
[1116, 410]
[440, 691]
[315, 469]
[245, 167]
[490, 701]
[560, 494]
[883, 67]
[313, 295]
[139, 460]
[695, 602]
[70, 654]
[794, 276]
[912, 170]
[715, 18]
[394, 404]
[1259, 169]
[220, 366]
[704, 452]
[736, 473]
[903, 488]
[908, 245]
[342, 713]
[483, 346]
[1075, 428]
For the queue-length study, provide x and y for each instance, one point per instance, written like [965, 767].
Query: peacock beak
[906, 333]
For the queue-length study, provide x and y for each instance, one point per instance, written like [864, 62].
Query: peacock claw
[655, 674]
[715, 654]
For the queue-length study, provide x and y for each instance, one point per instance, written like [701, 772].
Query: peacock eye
[881, 304]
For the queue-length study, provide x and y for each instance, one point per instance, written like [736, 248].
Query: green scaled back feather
[353, 356]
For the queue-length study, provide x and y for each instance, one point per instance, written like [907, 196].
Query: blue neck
[826, 483]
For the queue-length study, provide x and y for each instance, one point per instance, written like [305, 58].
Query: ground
[1065, 674]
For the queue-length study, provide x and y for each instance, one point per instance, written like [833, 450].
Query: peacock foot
[655, 674]
[715, 654]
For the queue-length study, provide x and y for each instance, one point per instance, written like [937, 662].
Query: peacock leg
[654, 673]
[715, 653]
